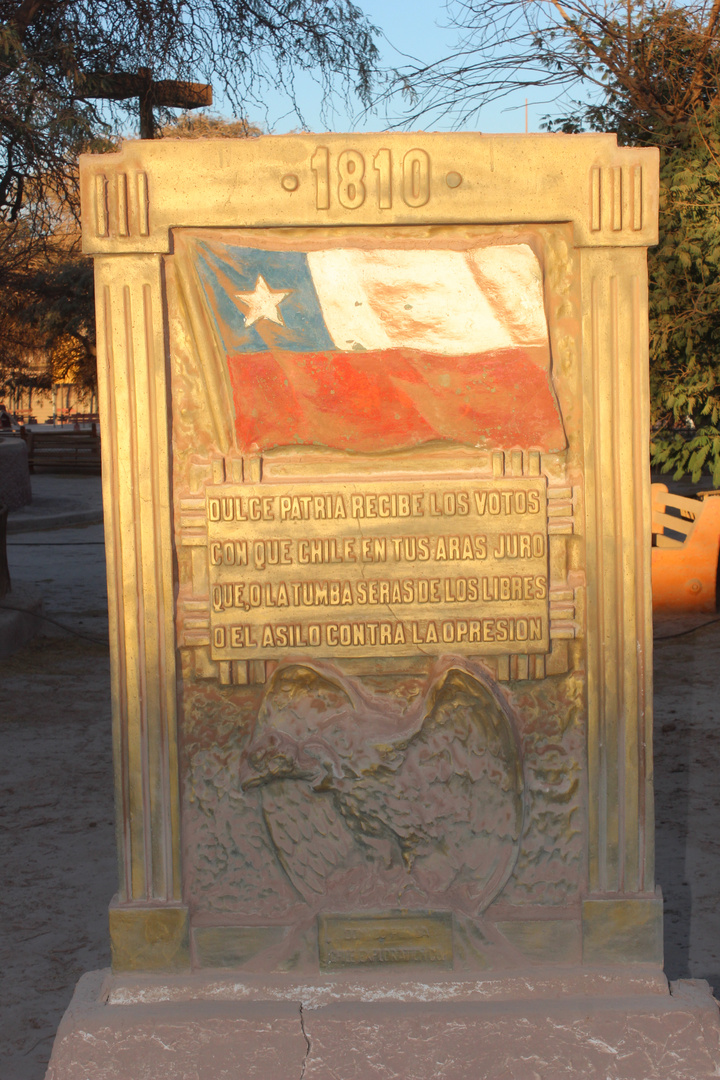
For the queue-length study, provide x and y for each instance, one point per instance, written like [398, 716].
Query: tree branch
[27, 13]
[693, 90]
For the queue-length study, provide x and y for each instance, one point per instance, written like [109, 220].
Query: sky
[412, 29]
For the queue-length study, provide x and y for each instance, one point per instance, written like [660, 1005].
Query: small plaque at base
[353, 940]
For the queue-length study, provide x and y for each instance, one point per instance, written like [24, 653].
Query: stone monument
[377, 504]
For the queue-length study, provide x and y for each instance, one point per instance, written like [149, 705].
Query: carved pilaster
[134, 420]
[619, 614]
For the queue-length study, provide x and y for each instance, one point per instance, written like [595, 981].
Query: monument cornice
[136, 197]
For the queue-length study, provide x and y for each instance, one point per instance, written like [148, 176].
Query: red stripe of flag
[394, 399]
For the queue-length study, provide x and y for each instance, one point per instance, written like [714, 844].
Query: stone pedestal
[544, 1025]
[15, 490]
[377, 505]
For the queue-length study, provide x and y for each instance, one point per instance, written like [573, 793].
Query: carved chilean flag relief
[372, 349]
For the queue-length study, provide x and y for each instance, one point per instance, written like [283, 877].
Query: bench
[64, 450]
[686, 545]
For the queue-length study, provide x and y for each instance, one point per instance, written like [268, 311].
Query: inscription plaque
[346, 941]
[378, 568]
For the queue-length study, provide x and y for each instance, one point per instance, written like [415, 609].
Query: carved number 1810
[353, 178]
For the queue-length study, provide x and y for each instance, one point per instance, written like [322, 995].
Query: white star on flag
[263, 302]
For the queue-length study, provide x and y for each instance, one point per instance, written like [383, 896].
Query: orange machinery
[686, 540]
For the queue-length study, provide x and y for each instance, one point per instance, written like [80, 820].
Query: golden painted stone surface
[377, 501]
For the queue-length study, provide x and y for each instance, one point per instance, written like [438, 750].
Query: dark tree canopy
[60, 58]
[660, 59]
[650, 72]
[676, 65]
[56, 55]
[685, 307]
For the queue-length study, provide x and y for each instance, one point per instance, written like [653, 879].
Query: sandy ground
[57, 844]
[56, 812]
[56, 840]
[687, 801]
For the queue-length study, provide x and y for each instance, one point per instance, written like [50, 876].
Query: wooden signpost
[151, 93]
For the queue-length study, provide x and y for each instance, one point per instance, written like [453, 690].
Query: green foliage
[649, 71]
[663, 96]
[684, 274]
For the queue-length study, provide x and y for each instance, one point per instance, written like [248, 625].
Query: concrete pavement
[56, 556]
[59, 500]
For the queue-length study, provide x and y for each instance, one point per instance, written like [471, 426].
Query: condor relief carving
[371, 807]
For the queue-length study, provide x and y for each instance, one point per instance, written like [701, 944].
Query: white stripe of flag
[438, 301]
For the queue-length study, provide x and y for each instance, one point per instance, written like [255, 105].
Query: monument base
[546, 1025]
